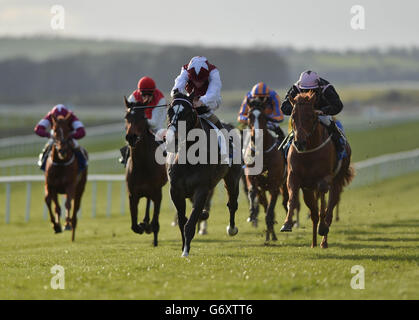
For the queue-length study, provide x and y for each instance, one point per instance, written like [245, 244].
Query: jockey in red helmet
[147, 94]
[43, 127]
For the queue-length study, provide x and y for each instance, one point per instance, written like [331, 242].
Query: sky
[319, 24]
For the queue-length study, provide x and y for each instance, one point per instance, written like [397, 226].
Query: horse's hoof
[232, 231]
[255, 223]
[147, 227]
[296, 224]
[174, 223]
[57, 228]
[185, 254]
[137, 229]
[204, 215]
[323, 230]
[68, 227]
[287, 227]
[324, 245]
[250, 219]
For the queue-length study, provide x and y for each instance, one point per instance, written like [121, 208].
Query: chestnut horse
[62, 176]
[273, 176]
[144, 176]
[196, 180]
[314, 167]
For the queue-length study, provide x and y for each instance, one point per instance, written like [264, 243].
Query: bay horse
[272, 179]
[313, 166]
[195, 181]
[144, 176]
[62, 175]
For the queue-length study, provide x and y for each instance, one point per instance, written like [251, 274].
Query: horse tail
[348, 175]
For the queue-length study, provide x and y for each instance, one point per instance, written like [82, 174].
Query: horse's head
[62, 135]
[257, 118]
[181, 110]
[303, 117]
[136, 124]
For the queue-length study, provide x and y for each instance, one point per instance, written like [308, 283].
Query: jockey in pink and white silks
[328, 104]
[43, 129]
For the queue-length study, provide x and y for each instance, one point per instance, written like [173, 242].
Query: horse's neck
[319, 135]
[56, 159]
[143, 151]
[268, 140]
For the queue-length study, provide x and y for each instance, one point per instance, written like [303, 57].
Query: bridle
[252, 146]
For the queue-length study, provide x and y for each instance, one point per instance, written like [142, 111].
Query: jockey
[328, 104]
[201, 79]
[147, 94]
[43, 127]
[262, 95]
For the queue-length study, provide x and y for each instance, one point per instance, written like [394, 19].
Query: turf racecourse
[379, 230]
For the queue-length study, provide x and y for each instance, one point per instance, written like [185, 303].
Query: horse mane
[304, 97]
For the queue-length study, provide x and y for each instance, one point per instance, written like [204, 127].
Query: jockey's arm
[42, 128]
[158, 116]
[180, 82]
[276, 113]
[242, 117]
[334, 104]
[286, 106]
[212, 98]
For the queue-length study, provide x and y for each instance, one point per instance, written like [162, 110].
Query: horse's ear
[67, 117]
[311, 96]
[126, 102]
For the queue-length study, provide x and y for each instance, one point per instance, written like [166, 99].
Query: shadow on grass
[373, 257]
[407, 223]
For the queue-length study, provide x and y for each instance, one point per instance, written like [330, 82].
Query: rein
[65, 163]
[315, 149]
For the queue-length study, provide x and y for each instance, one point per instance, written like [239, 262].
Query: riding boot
[338, 138]
[81, 157]
[278, 131]
[43, 156]
[124, 155]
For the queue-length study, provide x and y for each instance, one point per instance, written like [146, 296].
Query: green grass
[379, 230]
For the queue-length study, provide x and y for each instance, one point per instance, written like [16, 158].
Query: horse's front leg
[293, 186]
[198, 204]
[70, 191]
[146, 221]
[253, 205]
[178, 199]
[270, 214]
[323, 227]
[133, 207]
[49, 196]
[155, 226]
[311, 202]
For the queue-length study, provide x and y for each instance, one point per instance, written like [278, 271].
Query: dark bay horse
[62, 176]
[314, 167]
[195, 180]
[144, 176]
[272, 179]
